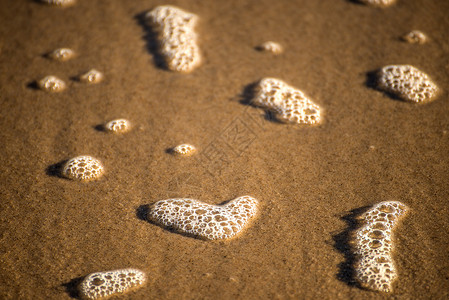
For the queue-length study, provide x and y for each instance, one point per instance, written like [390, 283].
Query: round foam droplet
[378, 3]
[271, 47]
[91, 77]
[184, 150]
[59, 2]
[118, 126]
[83, 168]
[62, 54]
[51, 84]
[415, 37]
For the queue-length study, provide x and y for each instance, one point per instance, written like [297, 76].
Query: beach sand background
[310, 181]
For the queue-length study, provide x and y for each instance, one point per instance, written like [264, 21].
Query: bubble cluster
[92, 76]
[289, 104]
[407, 82]
[103, 284]
[62, 54]
[83, 168]
[118, 126]
[415, 37]
[177, 38]
[378, 3]
[184, 150]
[59, 2]
[51, 84]
[373, 245]
[210, 222]
[272, 47]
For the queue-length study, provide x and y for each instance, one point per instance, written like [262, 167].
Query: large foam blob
[108, 283]
[375, 268]
[206, 221]
[83, 168]
[407, 82]
[290, 105]
[177, 37]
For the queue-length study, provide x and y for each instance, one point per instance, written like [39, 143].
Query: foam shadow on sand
[150, 37]
[342, 242]
[142, 213]
[372, 82]
[247, 96]
[71, 287]
[55, 170]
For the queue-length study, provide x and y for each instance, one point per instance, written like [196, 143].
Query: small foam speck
[91, 77]
[184, 150]
[407, 82]
[108, 283]
[59, 2]
[375, 268]
[206, 221]
[378, 3]
[51, 84]
[118, 126]
[415, 37]
[271, 47]
[83, 168]
[62, 54]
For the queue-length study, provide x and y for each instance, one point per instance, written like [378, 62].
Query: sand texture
[311, 181]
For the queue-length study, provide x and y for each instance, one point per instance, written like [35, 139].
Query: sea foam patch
[206, 221]
[375, 268]
[108, 283]
[407, 82]
[83, 168]
[177, 37]
[290, 104]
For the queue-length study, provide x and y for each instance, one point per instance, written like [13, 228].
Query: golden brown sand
[310, 181]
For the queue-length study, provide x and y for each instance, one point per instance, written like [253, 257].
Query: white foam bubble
[415, 37]
[62, 54]
[184, 150]
[272, 47]
[118, 126]
[83, 168]
[378, 3]
[177, 37]
[52, 84]
[206, 221]
[375, 268]
[407, 82]
[290, 105]
[92, 76]
[59, 2]
[108, 283]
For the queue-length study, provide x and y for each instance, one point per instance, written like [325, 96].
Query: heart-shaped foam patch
[206, 221]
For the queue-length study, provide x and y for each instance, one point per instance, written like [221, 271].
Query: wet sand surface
[310, 181]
